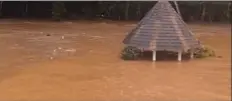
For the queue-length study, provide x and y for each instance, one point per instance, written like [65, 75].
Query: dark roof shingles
[162, 29]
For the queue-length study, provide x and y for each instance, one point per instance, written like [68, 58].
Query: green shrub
[130, 53]
[133, 53]
[203, 52]
[58, 10]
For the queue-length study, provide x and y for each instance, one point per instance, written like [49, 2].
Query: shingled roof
[162, 28]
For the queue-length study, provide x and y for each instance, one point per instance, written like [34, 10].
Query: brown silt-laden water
[80, 61]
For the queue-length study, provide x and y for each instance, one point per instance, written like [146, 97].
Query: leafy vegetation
[204, 11]
[58, 10]
[204, 52]
[133, 53]
[130, 53]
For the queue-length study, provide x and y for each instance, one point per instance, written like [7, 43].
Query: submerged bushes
[203, 52]
[130, 53]
[133, 53]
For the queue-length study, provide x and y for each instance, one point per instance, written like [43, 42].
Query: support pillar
[154, 56]
[179, 55]
[191, 54]
[142, 51]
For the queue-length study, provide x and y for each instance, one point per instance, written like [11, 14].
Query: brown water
[85, 65]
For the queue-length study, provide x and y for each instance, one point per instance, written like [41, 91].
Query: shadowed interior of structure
[163, 55]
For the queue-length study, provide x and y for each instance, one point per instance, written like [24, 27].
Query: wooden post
[154, 56]
[142, 51]
[191, 54]
[179, 55]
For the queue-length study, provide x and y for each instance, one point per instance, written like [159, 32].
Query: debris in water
[54, 50]
[48, 34]
[102, 15]
[68, 22]
[70, 50]
[97, 36]
[59, 48]
[103, 23]
[51, 58]
[62, 37]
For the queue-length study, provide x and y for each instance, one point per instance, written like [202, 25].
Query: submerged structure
[162, 29]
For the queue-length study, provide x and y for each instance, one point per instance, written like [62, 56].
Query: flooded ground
[80, 61]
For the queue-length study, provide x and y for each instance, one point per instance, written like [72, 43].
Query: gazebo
[162, 29]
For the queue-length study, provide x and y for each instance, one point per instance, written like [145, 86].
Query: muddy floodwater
[80, 61]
